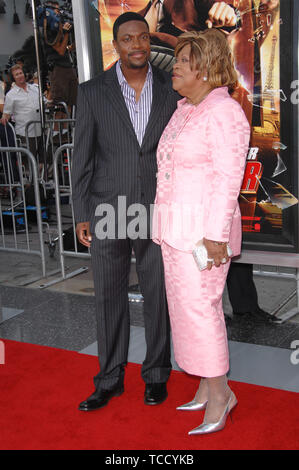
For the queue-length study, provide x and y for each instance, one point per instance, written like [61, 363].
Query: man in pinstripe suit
[120, 117]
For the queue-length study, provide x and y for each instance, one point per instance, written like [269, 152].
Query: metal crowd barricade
[14, 213]
[56, 138]
[63, 189]
[35, 147]
[8, 139]
[57, 132]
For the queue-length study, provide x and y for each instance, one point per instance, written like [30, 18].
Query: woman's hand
[217, 251]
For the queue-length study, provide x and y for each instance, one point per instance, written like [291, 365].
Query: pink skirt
[196, 315]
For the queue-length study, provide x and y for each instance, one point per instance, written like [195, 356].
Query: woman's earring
[205, 79]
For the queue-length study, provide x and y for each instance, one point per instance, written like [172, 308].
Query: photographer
[63, 77]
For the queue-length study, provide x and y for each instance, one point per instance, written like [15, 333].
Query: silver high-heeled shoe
[193, 406]
[206, 428]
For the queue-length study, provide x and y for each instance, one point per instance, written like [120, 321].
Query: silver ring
[223, 261]
[210, 260]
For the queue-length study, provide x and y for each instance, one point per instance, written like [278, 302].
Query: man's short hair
[124, 18]
[52, 4]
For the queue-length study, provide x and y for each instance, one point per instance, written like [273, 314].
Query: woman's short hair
[211, 55]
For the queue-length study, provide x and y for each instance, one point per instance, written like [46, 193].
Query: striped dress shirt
[139, 111]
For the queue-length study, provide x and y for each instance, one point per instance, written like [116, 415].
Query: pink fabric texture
[201, 159]
[196, 315]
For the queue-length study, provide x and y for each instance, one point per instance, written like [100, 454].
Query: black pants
[111, 260]
[241, 288]
[7, 140]
[35, 147]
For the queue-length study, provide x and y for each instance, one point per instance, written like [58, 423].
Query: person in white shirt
[7, 138]
[1, 96]
[22, 104]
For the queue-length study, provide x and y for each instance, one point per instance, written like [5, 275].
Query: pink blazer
[201, 159]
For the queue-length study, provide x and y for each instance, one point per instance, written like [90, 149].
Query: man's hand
[83, 233]
[221, 15]
[216, 251]
[66, 26]
[61, 46]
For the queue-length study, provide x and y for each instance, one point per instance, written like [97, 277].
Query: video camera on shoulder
[66, 13]
[49, 12]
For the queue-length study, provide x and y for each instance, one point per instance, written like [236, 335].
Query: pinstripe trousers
[111, 261]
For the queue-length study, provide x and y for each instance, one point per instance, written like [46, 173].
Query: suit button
[140, 154]
[167, 176]
[168, 156]
[161, 156]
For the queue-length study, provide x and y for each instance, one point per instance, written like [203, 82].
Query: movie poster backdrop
[264, 53]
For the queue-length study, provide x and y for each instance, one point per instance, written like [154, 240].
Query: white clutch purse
[200, 255]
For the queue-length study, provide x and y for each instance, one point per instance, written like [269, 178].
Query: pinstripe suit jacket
[108, 160]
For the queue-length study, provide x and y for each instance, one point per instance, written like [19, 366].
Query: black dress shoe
[155, 393]
[260, 315]
[99, 399]
[265, 317]
[241, 314]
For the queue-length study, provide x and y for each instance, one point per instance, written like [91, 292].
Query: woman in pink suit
[201, 159]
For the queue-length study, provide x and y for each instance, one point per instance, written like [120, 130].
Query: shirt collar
[18, 88]
[122, 78]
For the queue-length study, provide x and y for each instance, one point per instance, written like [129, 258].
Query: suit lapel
[160, 92]
[116, 98]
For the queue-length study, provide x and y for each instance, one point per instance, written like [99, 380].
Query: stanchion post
[41, 98]
[58, 209]
[37, 200]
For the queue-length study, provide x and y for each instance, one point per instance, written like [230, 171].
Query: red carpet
[41, 388]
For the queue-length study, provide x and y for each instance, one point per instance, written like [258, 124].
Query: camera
[47, 11]
[66, 13]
